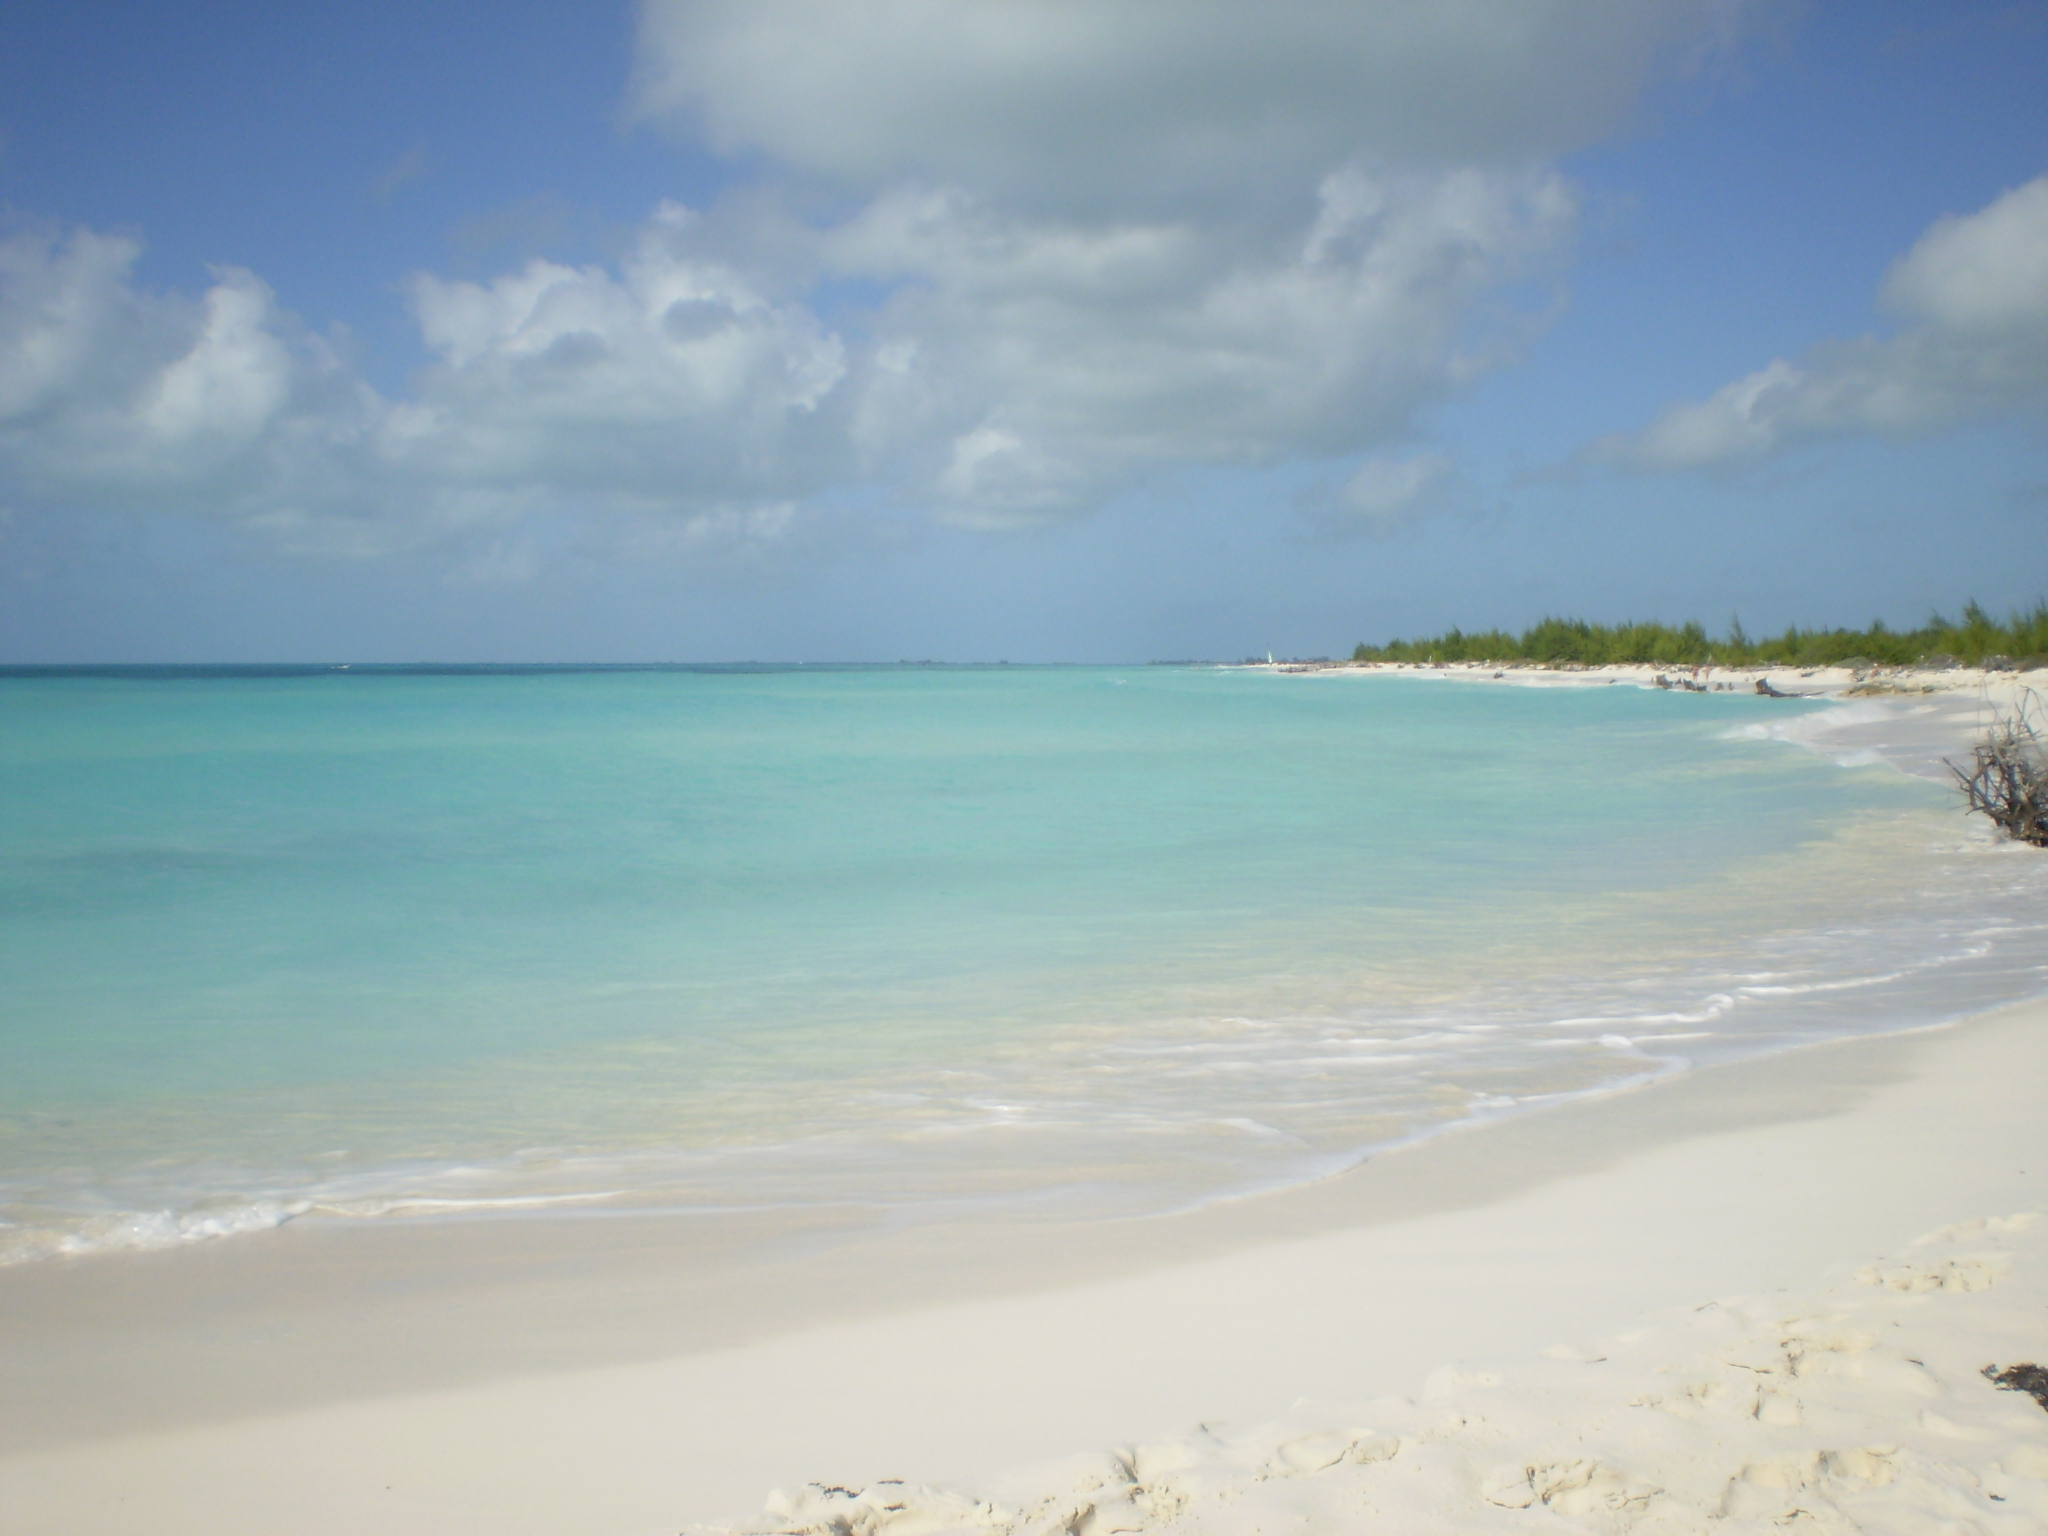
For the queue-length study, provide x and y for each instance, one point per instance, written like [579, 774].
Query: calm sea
[411, 944]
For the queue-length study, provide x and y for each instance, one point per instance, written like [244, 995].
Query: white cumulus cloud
[674, 378]
[1022, 368]
[1971, 297]
[111, 394]
[1027, 367]
[671, 385]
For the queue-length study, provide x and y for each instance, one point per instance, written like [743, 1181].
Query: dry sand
[1755, 1297]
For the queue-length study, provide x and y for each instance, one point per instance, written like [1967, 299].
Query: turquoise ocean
[363, 945]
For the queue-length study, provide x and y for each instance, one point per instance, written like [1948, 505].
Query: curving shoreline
[1910, 717]
[2001, 687]
[598, 1377]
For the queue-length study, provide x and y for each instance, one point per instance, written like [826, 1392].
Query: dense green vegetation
[2022, 638]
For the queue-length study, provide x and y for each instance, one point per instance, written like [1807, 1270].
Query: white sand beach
[1751, 1297]
[1920, 713]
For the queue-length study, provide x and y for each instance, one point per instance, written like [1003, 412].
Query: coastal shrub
[1556, 642]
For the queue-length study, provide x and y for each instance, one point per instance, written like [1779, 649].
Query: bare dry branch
[2007, 778]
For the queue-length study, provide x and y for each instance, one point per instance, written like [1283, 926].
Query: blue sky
[1007, 329]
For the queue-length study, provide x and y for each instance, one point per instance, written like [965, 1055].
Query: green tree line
[2022, 638]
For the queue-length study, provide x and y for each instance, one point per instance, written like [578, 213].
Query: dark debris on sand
[2030, 1379]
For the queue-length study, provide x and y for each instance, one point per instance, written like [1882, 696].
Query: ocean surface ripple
[411, 944]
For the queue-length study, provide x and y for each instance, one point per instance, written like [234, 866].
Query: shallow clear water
[362, 944]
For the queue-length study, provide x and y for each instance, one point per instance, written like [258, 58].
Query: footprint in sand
[1965, 1272]
[1317, 1453]
[1578, 1486]
[1784, 1488]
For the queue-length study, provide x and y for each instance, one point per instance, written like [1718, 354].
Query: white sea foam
[153, 1229]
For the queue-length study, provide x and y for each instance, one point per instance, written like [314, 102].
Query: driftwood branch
[2007, 778]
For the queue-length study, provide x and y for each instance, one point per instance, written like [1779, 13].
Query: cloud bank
[669, 385]
[1026, 368]
[1084, 109]
[1971, 298]
[1090, 244]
